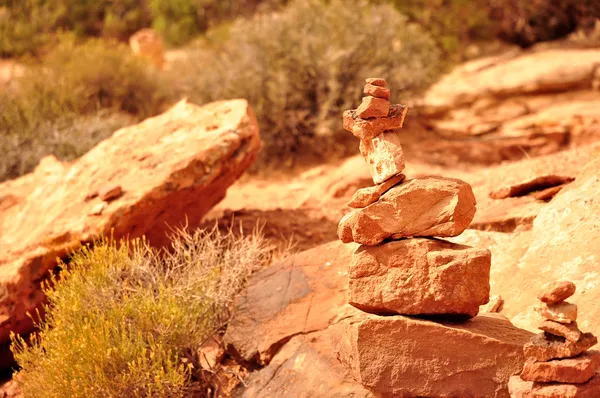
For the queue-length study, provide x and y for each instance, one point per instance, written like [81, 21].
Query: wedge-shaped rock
[544, 347]
[366, 196]
[569, 331]
[419, 277]
[570, 370]
[429, 206]
[171, 170]
[377, 91]
[397, 356]
[373, 107]
[370, 128]
[528, 389]
[557, 292]
[384, 156]
[562, 312]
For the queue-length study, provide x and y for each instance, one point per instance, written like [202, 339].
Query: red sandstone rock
[397, 356]
[494, 305]
[544, 347]
[569, 331]
[377, 92]
[376, 81]
[366, 196]
[110, 192]
[428, 206]
[562, 312]
[384, 156]
[571, 370]
[555, 292]
[371, 128]
[373, 107]
[419, 277]
[528, 389]
[173, 168]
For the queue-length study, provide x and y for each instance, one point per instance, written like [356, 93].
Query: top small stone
[376, 81]
[556, 292]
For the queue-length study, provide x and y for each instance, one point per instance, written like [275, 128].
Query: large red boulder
[145, 180]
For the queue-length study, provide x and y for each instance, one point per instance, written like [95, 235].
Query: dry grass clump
[127, 321]
[301, 67]
[59, 106]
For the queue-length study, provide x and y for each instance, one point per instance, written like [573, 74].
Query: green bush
[528, 22]
[128, 321]
[300, 68]
[75, 84]
[453, 24]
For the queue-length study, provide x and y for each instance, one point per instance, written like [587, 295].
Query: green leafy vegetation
[127, 320]
[300, 68]
[51, 108]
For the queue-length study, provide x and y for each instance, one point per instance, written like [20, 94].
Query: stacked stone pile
[558, 361]
[400, 268]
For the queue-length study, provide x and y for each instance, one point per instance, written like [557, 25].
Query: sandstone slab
[164, 165]
[366, 196]
[384, 156]
[428, 206]
[407, 357]
[419, 277]
[373, 107]
[376, 81]
[528, 389]
[569, 331]
[365, 129]
[377, 92]
[544, 347]
[558, 291]
[562, 312]
[305, 367]
[297, 295]
[571, 370]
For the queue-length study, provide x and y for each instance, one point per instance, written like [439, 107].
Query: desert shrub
[24, 26]
[453, 24]
[301, 67]
[528, 22]
[67, 139]
[128, 321]
[48, 107]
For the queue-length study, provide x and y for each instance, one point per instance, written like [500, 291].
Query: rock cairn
[558, 361]
[400, 267]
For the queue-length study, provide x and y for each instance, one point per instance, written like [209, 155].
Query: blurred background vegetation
[299, 63]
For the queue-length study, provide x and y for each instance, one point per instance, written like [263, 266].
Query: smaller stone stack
[400, 269]
[558, 361]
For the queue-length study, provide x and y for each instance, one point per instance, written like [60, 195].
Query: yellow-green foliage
[301, 67]
[55, 107]
[127, 321]
[453, 24]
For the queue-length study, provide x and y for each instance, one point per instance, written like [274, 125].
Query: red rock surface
[562, 312]
[366, 196]
[163, 165]
[370, 128]
[558, 291]
[300, 294]
[373, 107]
[569, 331]
[544, 347]
[429, 206]
[571, 370]
[377, 91]
[384, 156]
[419, 277]
[527, 389]
[398, 356]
